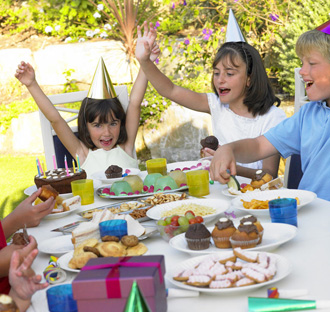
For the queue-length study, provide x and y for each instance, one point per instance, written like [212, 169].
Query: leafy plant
[70, 84]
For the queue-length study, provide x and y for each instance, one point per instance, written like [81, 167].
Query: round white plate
[64, 260]
[283, 267]
[33, 188]
[60, 214]
[184, 164]
[305, 197]
[101, 175]
[100, 189]
[226, 193]
[275, 234]
[219, 205]
[56, 245]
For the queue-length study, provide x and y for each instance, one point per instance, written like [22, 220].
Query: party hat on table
[325, 28]
[136, 301]
[233, 32]
[101, 87]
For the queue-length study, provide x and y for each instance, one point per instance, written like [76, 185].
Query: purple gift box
[105, 283]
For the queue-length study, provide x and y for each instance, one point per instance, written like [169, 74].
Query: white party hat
[233, 32]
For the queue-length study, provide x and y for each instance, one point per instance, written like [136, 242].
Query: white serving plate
[123, 197]
[183, 164]
[305, 197]
[283, 267]
[61, 214]
[275, 234]
[102, 177]
[219, 205]
[56, 245]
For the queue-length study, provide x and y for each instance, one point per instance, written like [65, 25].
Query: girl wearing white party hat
[106, 133]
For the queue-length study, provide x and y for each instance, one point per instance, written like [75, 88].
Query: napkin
[52, 273]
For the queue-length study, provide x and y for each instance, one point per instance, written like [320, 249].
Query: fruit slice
[233, 183]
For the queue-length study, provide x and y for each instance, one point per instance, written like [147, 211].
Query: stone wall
[177, 137]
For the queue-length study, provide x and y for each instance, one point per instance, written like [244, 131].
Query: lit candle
[43, 168]
[66, 166]
[73, 166]
[39, 173]
[54, 162]
[78, 162]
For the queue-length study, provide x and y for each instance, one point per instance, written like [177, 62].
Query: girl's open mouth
[223, 91]
[106, 142]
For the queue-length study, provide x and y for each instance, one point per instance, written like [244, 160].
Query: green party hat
[101, 87]
[136, 301]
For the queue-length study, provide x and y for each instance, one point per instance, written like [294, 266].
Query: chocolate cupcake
[198, 237]
[209, 142]
[114, 171]
[7, 304]
[222, 231]
[254, 220]
[246, 236]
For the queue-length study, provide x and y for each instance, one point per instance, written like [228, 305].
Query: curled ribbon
[52, 273]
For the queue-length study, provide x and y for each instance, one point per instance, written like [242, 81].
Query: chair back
[293, 172]
[52, 144]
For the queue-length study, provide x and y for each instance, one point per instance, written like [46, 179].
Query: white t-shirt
[228, 126]
[100, 159]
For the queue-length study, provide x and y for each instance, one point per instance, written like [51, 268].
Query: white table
[309, 252]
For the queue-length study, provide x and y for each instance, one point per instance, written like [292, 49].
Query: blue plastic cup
[283, 210]
[116, 227]
[60, 299]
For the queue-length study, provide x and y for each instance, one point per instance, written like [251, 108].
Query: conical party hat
[101, 87]
[325, 28]
[136, 301]
[233, 32]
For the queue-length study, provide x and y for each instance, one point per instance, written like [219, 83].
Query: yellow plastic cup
[157, 165]
[198, 182]
[85, 189]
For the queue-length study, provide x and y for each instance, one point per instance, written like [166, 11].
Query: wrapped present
[107, 282]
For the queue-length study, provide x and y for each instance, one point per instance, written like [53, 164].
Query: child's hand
[23, 280]
[145, 43]
[154, 52]
[25, 73]
[28, 214]
[223, 159]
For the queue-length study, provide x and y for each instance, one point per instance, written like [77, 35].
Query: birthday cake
[60, 179]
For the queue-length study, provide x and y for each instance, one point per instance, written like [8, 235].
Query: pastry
[129, 240]
[260, 179]
[135, 182]
[113, 171]
[93, 250]
[59, 179]
[209, 142]
[246, 236]
[221, 233]
[47, 191]
[245, 255]
[7, 304]
[198, 237]
[121, 188]
[179, 177]
[20, 238]
[138, 250]
[254, 220]
[80, 260]
[165, 183]
[110, 238]
[111, 249]
[274, 184]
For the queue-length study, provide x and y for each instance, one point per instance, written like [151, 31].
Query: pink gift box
[106, 283]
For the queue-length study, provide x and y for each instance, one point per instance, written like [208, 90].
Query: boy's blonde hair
[313, 40]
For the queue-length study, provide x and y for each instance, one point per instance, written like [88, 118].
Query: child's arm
[134, 108]
[163, 85]
[24, 282]
[25, 74]
[27, 214]
[244, 151]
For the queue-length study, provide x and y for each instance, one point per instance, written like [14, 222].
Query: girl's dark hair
[91, 109]
[259, 94]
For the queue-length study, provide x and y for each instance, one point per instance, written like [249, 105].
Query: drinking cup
[283, 210]
[157, 165]
[85, 189]
[60, 298]
[198, 182]
[115, 227]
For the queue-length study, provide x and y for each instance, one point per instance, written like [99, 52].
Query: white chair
[292, 172]
[48, 134]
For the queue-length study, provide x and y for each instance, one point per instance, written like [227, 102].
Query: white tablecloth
[309, 252]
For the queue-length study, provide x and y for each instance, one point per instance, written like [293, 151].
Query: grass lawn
[16, 174]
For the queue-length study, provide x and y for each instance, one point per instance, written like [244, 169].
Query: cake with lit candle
[60, 179]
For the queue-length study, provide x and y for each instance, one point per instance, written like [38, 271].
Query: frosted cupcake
[198, 237]
[222, 231]
[246, 236]
[254, 220]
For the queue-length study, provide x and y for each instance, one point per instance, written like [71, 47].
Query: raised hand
[145, 42]
[25, 73]
[23, 280]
